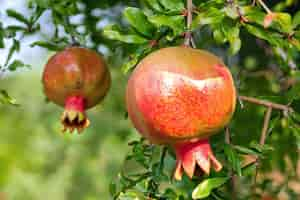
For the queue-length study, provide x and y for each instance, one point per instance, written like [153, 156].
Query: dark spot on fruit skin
[78, 84]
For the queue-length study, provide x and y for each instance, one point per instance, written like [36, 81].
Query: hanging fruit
[180, 96]
[78, 79]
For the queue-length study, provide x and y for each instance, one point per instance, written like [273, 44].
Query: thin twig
[262, 141]
[193, 42]
[266, 103]
[265, 126]
[227, 135]
[283, 55]
[188, 34]
[266, 8]
[233, 177]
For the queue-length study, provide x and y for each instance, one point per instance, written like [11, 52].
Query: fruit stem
[188, 34]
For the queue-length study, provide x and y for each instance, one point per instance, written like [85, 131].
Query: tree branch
[262, 141]
[265, 126]
[266, 103]
[266, 8]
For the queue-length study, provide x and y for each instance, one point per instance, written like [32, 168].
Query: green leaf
[261, 148]
[176, 23]
[295, 42]
[254, 15]
[15, 29]
[47, 45]
[112, 188]
[205, 188]
[273, 38]
[114, 33]
[235, 45]
[6, 99]
[131, 195]
[233, 159]
[245, 150]
[130, 64]
[232, 35]
[18, 16]
[281, 21]
[296, 19]
[1, 36]
[293, 93]
[17, 64]
[173, 5]
[139, 21]
[249, 169]
[209, 16]
[228, 31]
[42, 3]
[154, 5]
[14, 48]
[273, 123]
[219, 36]
[231, 11]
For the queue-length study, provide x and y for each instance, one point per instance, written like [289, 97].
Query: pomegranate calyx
[192, 154]
[74, 116]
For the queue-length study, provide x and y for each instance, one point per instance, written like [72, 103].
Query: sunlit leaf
[173, 5]
[254, 15]
[231, 11]
[47, 45]
[176, 23]
[18, 16]
[139, 21]
[17, 64]
[6, 99]
[131, 195]
[296, 19]
[205, 188]
[114, 33]
[209, 16]
[245, 150]
[281, 21]
[273, 38]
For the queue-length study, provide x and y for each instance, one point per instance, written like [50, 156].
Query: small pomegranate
[180, 96]
[76, 78]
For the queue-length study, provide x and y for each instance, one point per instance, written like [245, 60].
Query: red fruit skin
[78, 74]
[180, 95]
[76, 71]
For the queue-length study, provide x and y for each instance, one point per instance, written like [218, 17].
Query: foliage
[260, 43]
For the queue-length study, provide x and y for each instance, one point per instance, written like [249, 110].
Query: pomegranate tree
[180, 96]
[78, 79]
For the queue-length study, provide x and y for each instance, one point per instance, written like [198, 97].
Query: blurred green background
[37, 161]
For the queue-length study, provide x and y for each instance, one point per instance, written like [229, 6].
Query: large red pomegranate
[180, 96]
[76, 78]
